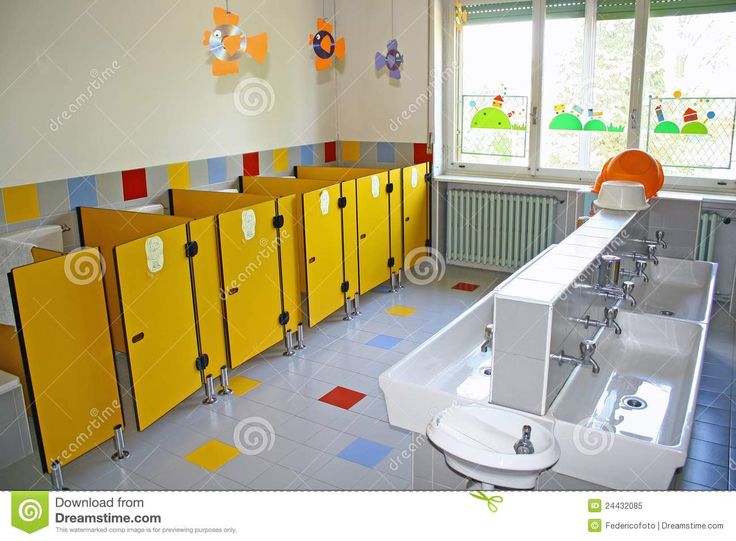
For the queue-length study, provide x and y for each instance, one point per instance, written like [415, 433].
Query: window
[690, 91]
[566, 119]
[496, 85]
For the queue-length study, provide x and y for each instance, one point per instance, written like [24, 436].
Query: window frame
[452, 106]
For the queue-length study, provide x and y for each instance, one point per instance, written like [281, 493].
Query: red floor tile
[342, 397]
[465, 286]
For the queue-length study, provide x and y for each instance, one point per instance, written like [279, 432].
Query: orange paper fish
[227, 42]
[325, 46]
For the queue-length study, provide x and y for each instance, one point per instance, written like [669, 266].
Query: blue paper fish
[392, 60]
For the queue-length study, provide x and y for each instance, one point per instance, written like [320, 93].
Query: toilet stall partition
[67, 356]
[327, 265]
[11, 360]
[159, 321]
[206, 206]
[416, 197]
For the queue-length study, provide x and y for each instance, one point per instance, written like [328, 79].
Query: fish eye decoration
[227, 43]
[392, 60]
[325, 47]
[461, 15]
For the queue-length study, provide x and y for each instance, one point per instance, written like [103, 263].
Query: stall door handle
[137, 338]
[312, 260]
[362, 236]
[233, 290]
[406, 219]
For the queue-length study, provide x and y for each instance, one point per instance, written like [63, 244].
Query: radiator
[706, 244]
[497, 230]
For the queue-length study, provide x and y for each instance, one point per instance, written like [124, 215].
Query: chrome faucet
[640, 266]
[658, 240]
[524, 445]
[623, 293]
[587, 349]
[487, 338]
[610, 313]
[651, 254]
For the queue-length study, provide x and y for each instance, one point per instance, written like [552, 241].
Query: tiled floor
[318, 420]
[313, 421]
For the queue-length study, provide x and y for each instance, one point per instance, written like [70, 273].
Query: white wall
[370, 105]
[162, 105]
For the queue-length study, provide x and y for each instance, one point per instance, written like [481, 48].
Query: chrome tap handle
[660, 239]
[587, 350]
[610, 313]
[641, 266]
[628, 289]
[652, 252]
[488, 331]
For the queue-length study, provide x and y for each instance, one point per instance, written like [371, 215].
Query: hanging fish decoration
[392, 60]
[227, 43]
[325, 46]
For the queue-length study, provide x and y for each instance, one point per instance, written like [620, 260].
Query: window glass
[585, 91]
[690, 89]
[495, 84]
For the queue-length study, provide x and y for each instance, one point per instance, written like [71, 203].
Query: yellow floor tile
[241, 385]
[403, 311]
[212, 455]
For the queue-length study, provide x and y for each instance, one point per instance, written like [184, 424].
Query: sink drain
[667, 313]
[633, 403]
[487, 371]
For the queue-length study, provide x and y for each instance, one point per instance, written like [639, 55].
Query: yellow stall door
[322, 240]
[373, 231]
[158, 321]
[250, 271]
[416, 197]
[67, 354]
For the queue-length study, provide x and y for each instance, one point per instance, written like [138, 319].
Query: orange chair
[635, 165]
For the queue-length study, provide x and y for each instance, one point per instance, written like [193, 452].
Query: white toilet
[478, 442]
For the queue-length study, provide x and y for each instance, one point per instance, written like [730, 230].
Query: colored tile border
[134, 184]
[82, 192]
[179, 176]
[331, 152]
[21, 203]
[251, 164]
[350, 151]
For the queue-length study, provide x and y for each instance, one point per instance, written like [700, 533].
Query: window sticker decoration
[581, 119]
[392, 60]
[461, 16]
[325, 47]
[691, 132]
[494, 125]
[227, 43]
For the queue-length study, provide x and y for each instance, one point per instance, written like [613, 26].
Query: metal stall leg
[224, 382]
[348, 309]
[356, 305]
[209, 389]
[288, 344]
[120, 452]
[300, 336]
[57, 479]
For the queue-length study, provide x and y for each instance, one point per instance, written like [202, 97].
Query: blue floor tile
[364, 452]
[384, 341]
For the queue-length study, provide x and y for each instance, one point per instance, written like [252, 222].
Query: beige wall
[159, 102]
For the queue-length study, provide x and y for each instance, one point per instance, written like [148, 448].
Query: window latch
[635, 119]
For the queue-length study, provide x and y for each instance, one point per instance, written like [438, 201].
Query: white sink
[606, 437]
[479, 442]
[677, 288]
[447, 370]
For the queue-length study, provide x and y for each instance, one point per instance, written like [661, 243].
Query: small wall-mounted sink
[629, 426]
[677, 288]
